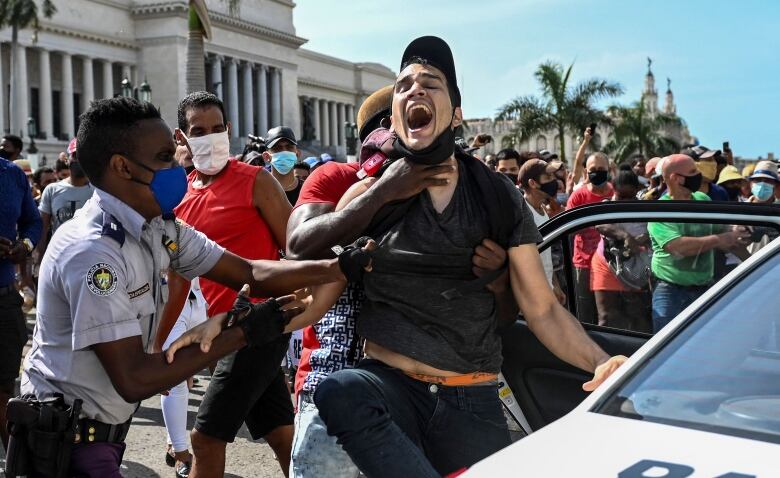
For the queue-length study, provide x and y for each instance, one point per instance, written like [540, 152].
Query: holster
[41, 435]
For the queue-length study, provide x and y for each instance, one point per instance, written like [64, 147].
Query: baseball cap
[436, 52]
[71, 147]
[278, 133]
[533, 169]
[729, 173]
[547, 155]
[325, 157]
[311, 161]
[371, 112]
[765, 169]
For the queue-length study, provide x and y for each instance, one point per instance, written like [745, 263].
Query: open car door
[537, 387]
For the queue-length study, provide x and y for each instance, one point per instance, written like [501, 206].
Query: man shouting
[425, 403]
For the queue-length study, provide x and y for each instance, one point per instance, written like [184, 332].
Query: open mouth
[418, 117]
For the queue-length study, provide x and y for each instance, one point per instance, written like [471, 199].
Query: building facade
[550, 140]
[254, 62]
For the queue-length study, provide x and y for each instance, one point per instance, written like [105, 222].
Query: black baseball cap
[436, 52]
[277, 133]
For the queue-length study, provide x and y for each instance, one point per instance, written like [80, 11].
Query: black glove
[353, 259]
[262, 323]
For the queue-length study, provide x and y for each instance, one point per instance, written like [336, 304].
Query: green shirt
[686, 271]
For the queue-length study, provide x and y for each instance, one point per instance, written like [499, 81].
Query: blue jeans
[392, 425]
[670, 299]
[314, 453]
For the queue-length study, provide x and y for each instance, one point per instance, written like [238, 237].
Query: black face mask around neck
[440, 150]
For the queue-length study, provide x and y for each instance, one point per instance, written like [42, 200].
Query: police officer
[102, 284]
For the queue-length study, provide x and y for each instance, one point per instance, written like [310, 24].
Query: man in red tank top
[244, 209]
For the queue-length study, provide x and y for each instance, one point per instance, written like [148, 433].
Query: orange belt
[464, 380]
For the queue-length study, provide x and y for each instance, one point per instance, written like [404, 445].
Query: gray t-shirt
[406, 313]
[103, 279]
[61, 200]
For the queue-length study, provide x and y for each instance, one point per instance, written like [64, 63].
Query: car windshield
[722, 372]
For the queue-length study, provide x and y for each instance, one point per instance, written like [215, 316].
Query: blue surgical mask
[762, 191]
[168, 186]
[283, 161]
[562, 198]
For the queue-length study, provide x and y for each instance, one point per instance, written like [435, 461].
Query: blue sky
[723, 56]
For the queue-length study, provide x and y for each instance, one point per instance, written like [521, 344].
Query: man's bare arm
[557, 329]
[314, 228]
[269, 198]
[137, 375]
[272, 278]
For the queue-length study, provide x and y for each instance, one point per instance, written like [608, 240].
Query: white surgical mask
[210, 153]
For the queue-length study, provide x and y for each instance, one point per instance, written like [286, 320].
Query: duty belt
[93, 431]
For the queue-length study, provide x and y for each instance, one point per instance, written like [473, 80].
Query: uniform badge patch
[101, 279]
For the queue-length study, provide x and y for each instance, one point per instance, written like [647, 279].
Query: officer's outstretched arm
[137, 375]
[272, 278]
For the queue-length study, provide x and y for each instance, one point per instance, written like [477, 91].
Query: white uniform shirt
[102, 279]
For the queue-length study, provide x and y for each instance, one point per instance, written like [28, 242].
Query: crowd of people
[397, 271]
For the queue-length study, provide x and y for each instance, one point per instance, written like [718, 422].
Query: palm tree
[20, 14]
[637, 131]
[200, 30]
[561, 108]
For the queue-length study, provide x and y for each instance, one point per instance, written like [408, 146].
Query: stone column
[350, 113]
[317, 130]
[334, 127]
[108, 79]
[46, 126]
[66, 97]
[88, 89]
[262, 99]
[232, 96]
[325, 123]
[127, 72]
[276, 97]
[342, 118]
[20, 103]
[2, 96]
[248, 118]
[216, 76]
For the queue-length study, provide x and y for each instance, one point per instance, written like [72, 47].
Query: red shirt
[325, 185]
[225, 212]
[587, 240]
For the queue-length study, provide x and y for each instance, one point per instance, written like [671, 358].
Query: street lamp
[350, 130]
[127, 88]
[145, 92]
[32, 132]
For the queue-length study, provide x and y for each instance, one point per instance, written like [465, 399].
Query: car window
[638, 276]
[721, 373]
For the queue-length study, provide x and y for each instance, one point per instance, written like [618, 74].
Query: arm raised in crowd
[314, 228]
[579, 161]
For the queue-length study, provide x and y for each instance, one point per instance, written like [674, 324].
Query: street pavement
[146, 442]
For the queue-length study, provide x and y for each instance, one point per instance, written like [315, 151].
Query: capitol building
[550, 140]
[254, 62]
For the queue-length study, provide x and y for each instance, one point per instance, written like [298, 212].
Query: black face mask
[692, 183]
[189, 169]
[598, 178]
[512, 177]
[440, 150]
[76, 170]
[733, 193]
[550, 188]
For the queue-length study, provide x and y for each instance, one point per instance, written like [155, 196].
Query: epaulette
[113, 229]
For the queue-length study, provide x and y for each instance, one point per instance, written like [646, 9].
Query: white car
[701, 398]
